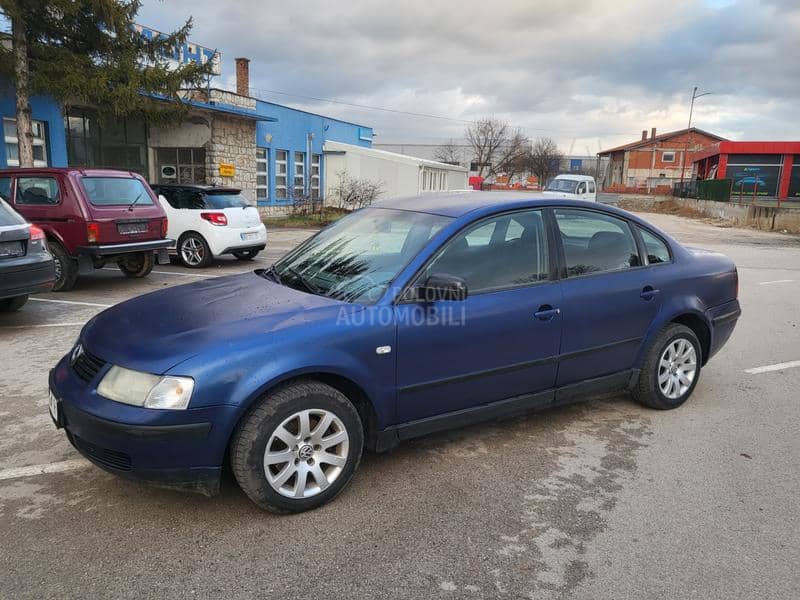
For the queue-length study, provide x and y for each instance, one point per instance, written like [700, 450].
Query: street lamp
[695, 95]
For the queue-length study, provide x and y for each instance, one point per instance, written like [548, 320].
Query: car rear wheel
[297, 448]
[671, 369]
[193, 251]
[246, 254]
[12, 304]
[66, 268]
[137, 265]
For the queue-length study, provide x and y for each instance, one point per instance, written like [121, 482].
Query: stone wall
[233, 140]
[225, 97]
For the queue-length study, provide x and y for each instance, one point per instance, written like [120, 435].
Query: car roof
[576, 177]
[92, 171]
[457, 204]
[198, 187]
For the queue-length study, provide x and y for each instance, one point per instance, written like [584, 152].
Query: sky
[589, 74]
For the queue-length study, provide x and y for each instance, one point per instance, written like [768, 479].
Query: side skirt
[518, 405]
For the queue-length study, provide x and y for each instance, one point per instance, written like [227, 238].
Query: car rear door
[609, 300]
[502, 341]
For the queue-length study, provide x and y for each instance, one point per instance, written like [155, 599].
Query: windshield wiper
[271, 273]
[135, 200]
[305, 283]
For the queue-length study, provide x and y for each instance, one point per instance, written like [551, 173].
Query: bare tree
[486, 137]
[544, 159]
[513, 156]
[448, 153]
[353, 193]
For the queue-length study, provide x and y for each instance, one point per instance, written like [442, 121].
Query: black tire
[12, 304]
[66, 268]
[647, 390]
[137, 264]
[255, 430]
[246, 254]
[198, 256]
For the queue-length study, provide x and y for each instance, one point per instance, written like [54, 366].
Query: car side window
[591, 187]
[5, 188]
[496, 262]
[657, 250]
[581, 188]
[595, 242]
[37, 190]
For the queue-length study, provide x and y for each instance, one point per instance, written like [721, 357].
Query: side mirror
[442, 286]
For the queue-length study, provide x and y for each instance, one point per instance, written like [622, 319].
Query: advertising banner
[794, 181]
[761, 178]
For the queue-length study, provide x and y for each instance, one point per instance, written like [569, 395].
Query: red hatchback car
[91, 217]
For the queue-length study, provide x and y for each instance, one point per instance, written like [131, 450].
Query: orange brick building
[654, 163]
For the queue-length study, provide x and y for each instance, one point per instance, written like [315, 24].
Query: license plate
[11, 249]
[246, 237]
[132, 228]
[53, 405]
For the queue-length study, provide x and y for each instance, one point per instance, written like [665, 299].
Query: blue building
[272, 152]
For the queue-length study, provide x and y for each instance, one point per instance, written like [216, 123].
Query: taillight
[92, 232]
[37, 233]
[164, 227]
[215, 218]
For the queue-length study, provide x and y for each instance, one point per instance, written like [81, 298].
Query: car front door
[609, 299]
[502, 341]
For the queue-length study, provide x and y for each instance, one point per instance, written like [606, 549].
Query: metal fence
[708, 189]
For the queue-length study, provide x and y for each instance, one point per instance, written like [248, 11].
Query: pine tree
[87, 52]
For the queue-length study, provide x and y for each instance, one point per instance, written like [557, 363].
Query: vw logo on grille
[76, 354]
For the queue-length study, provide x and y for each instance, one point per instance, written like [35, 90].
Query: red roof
[728, 147]
[659, 138]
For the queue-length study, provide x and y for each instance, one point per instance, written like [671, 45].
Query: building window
[434, 180]
[316, 159]
[262, 175]
[299, 174]
[181, 165]
[115, 143]
[668, 156]
[12, 143]
[281, 170]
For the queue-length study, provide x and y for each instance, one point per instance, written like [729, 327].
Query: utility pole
[695, 95]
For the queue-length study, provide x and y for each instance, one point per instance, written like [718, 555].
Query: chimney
[243, 76]
[653, 133]
[644, 135]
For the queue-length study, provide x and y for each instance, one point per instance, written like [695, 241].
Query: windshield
[356, 258]
[218, 200]
[115, 191]
[562, 185]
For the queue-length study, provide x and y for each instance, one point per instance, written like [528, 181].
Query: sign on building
[187, 53]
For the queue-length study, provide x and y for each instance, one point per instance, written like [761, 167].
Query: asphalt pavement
[601, 500]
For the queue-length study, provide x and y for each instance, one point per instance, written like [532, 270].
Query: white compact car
[209, 221]
[574, 187]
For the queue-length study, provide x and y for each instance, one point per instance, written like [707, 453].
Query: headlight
[143, 389]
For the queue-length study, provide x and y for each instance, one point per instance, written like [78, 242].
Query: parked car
[572, 187]
[209, 221]
[26, 267]
[405, 318]
[91, 217]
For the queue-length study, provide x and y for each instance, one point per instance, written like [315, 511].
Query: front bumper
[178, 449]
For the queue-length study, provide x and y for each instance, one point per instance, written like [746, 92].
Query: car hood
[157, 331]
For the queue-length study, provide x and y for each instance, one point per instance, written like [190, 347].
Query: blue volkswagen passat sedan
[409, 317]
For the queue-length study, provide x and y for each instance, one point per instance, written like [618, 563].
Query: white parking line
[776, 367]
[58, 467]
[171, 273]
[71, 302]
[776, 281]
[43, 325]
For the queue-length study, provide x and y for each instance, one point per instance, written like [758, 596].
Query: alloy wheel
[306, 453]
[192, 251]
[677, 368]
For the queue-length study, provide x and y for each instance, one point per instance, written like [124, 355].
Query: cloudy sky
[589, 74]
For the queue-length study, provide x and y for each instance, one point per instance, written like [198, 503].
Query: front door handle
[546, 312]
[648, 292]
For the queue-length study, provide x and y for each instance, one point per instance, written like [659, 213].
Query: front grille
[87, 365]
[112, 459]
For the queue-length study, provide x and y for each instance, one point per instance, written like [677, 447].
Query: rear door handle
[546, 312]
[648, 292]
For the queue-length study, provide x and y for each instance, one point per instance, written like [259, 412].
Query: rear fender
[673, 309]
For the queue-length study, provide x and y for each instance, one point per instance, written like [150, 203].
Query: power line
[418, 114]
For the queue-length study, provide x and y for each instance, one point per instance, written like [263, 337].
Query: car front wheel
[671, 368]
[297, 448]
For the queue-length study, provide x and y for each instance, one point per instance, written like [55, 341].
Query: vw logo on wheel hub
[305, 452]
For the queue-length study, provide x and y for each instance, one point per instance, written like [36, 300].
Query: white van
[575, 187]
